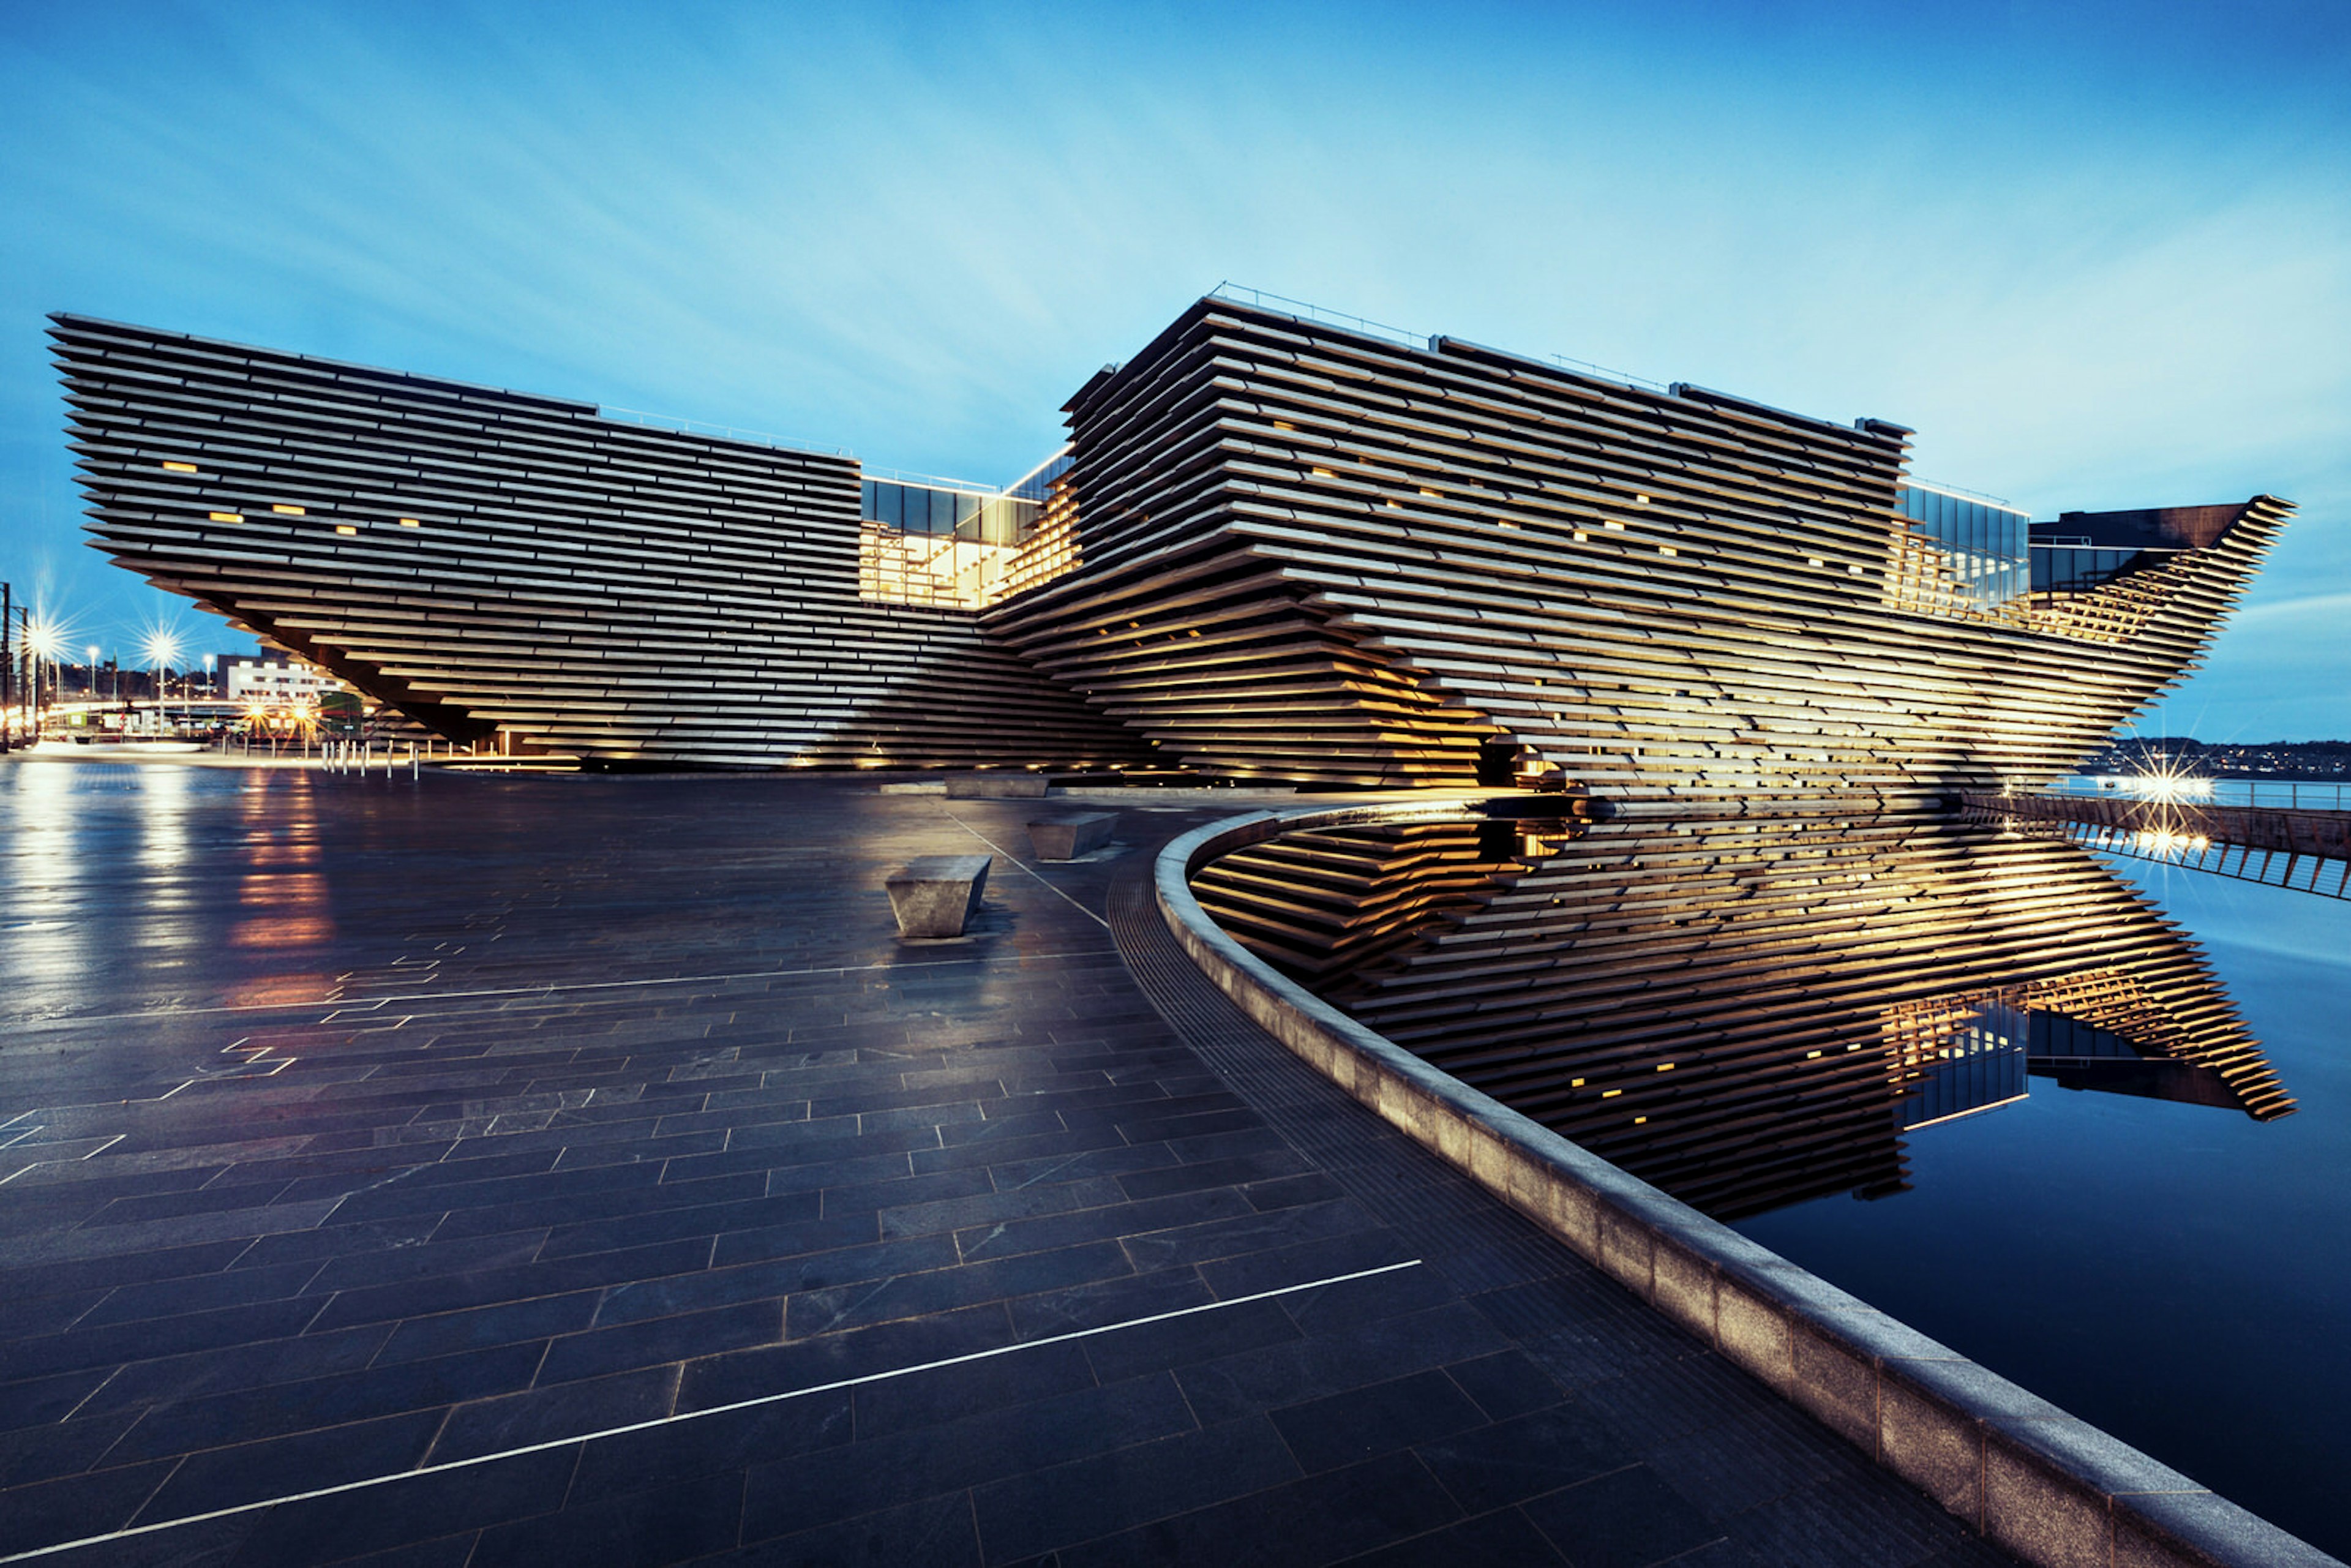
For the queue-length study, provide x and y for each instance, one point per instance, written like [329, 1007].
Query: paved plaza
[489, 1169]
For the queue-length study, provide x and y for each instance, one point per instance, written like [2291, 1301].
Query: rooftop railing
[684, 426]
[1961, 491]
[1281, 304]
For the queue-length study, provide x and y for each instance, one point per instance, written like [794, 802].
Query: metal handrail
[1241, 294]
[2226, 790]
[684, 426]
[1917, 482]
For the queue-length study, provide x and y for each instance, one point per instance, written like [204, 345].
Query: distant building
[273, 681]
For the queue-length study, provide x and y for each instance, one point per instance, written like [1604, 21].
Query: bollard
[411, 762]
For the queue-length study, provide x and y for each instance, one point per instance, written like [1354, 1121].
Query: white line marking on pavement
[309, 1003]
[133, 1531]
[1033, 872]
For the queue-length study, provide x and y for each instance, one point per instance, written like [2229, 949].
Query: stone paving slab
[531, 1169]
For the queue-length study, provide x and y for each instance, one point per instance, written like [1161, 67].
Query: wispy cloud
[2093, 255]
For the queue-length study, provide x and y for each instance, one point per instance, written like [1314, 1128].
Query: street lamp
[161, 648]
[43, 639]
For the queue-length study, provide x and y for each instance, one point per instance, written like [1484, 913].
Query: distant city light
[2168, 783]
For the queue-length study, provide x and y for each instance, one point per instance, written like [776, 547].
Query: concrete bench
[1066, 838]
[934, 894]
[996, 786]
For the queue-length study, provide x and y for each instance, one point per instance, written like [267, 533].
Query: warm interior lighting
[1668, 549]
[345, 528]
[409, 523]
[1324, 473]
[290, 511]
[181, 467]
[1581, 538]
[1283, 424]
[1612, 525]
[227, 517]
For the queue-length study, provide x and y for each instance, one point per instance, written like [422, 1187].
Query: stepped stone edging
[2046, 1485]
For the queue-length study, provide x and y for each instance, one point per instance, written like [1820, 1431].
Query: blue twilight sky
[2099, 255]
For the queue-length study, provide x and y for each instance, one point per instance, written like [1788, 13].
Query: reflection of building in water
[1748, 1012]
[1953, 1056]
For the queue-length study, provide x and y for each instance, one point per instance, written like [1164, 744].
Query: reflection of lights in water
[287, 896]
[282, 931]
[50, 941]
[164, 818]
[159, 925]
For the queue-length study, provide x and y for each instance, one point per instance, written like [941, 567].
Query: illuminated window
[1324, 473]
[181, 467]
[409, 523]
[290, 511]
[227, 517]
[345, 528]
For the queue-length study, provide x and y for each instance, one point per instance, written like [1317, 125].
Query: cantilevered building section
[1275, 548]
[489, 560]
[1310, 551]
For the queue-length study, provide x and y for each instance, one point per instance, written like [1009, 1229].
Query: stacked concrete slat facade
[1297, 551]
[1312, 552]
[488, 559]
